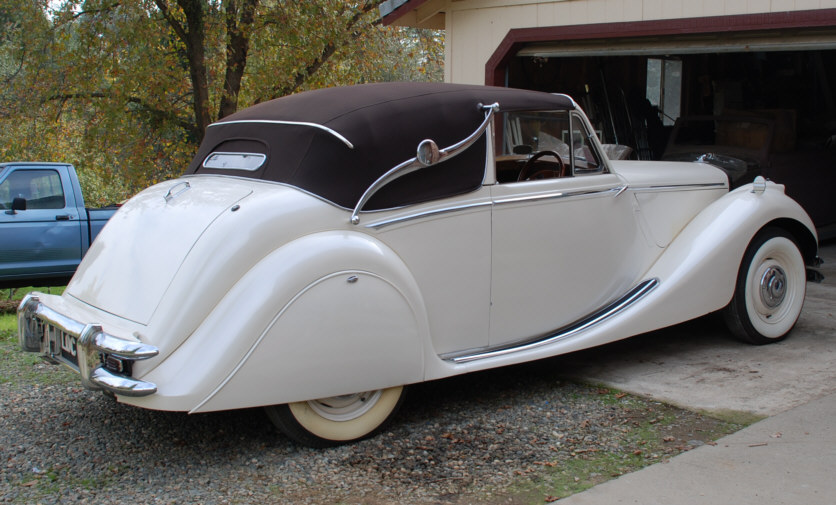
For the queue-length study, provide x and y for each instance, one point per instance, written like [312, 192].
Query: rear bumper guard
[103, 361]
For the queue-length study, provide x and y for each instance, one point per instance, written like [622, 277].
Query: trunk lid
[136, 256]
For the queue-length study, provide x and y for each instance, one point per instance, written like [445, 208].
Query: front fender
[330, 313]
[698, 270]
[696, 273]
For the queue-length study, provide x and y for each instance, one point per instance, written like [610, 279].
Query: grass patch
[735, 416]
[656, 432]
[10, 298]
[8, 325]
[18, 368]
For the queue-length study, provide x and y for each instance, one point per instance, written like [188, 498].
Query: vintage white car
[326, 249]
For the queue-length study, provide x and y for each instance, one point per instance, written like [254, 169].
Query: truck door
[45, 239]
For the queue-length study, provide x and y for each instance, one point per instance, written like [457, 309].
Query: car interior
[538, 145]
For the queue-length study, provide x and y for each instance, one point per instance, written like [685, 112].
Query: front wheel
[770, 289]
[336, 420]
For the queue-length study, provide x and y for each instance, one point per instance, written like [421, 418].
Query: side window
[532, 145]
[41, 188]
[544, 145]
[587, 160]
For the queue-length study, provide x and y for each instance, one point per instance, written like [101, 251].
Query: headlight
[734, 167]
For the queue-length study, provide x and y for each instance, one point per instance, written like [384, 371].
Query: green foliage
[124, 89]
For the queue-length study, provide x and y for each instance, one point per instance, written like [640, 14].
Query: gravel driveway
[517, 434]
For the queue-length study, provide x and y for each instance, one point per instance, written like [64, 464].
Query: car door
[44, 239]
[446, 245]
[562, 247]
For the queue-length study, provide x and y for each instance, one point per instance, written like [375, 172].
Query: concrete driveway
[698, 365]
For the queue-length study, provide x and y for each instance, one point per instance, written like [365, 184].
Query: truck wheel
[337, 420]
[770, 289]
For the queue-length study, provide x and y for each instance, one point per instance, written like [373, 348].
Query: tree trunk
[237, 46]
[193, 36]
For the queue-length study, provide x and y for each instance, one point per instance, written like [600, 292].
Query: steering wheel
[526, 172]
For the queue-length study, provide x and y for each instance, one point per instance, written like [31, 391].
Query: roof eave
[414, 13]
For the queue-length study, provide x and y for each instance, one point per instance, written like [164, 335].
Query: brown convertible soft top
[382, 122]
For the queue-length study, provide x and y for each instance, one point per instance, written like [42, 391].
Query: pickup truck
[45, 228]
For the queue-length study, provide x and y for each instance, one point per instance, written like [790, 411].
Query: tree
[133, 84]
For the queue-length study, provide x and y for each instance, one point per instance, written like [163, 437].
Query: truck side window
[42, 189]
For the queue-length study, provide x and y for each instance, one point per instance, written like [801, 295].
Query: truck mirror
[18, 204]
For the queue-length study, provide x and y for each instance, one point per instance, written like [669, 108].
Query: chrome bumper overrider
[103, 360]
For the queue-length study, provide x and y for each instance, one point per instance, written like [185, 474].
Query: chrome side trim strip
[615, 191]
[426, 213]
[679, 187]
[512, 199]
[559, 194]
[597, 317]
[291, 123]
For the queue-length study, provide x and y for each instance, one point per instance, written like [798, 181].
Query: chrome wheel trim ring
[776, 284]
[345, 407]
[771, 294]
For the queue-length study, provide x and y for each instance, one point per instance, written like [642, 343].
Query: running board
[601, 315]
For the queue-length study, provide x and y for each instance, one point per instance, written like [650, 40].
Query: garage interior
[635, 89]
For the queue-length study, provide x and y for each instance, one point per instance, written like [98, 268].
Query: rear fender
[330, 313]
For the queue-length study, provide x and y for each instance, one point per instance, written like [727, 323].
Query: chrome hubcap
[345, 407]
[773, 286]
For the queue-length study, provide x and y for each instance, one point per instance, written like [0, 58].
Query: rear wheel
[339, 419]
[770, 289]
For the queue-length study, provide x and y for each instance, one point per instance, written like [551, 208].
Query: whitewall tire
[770, 289]
[337, 420]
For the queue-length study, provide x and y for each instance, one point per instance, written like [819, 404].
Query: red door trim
[519, 37]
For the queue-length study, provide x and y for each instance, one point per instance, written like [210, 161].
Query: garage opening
[762, 103]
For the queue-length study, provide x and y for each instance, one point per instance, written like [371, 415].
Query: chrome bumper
[104, 361]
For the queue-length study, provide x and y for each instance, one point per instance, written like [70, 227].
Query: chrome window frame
[592, 141]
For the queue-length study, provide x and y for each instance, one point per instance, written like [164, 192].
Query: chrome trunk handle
[173, 194]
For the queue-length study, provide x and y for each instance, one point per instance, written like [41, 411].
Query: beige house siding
[475, 28]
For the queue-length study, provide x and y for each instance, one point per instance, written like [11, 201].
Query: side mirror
[17, 204]
[428, 153]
